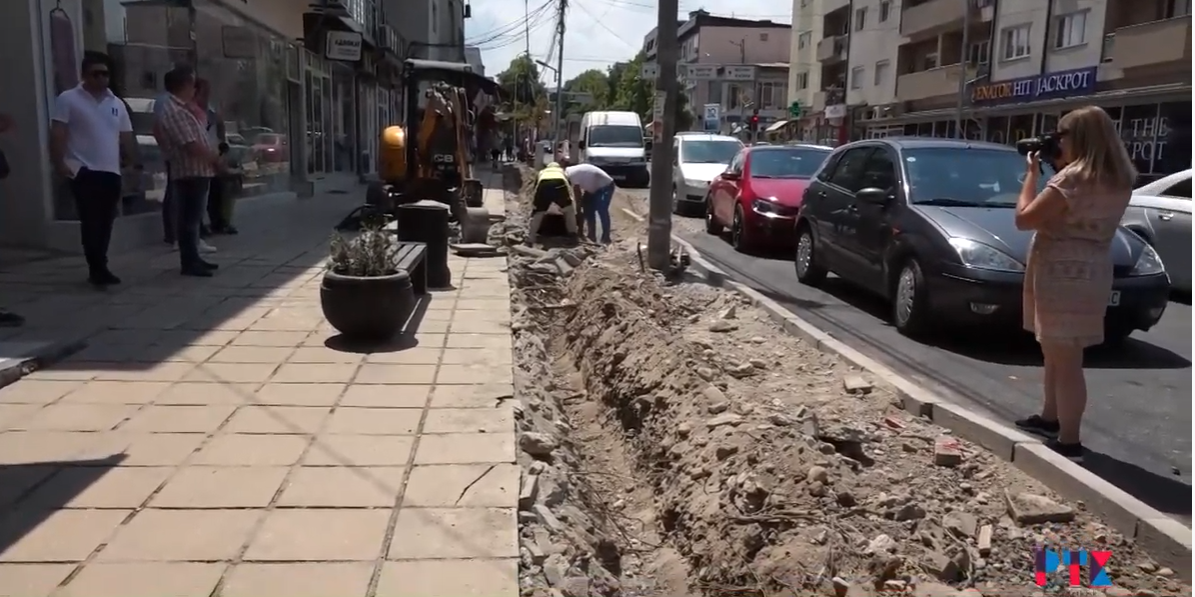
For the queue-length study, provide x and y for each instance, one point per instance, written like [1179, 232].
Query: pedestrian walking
[194, 162]
[89, 126]
[598, 189]
[8, 319]
[1068, 274]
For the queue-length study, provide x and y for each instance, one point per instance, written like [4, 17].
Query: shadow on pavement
[1170, 496]
[30, 493]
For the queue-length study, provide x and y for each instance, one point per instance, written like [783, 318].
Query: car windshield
[615, 136]
[966, 177]
[143, 122]
[787, 162]
[708, 152]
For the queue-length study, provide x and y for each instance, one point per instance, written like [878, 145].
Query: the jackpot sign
[1067, 83]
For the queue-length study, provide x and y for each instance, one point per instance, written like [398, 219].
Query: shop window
[1139, 127]
[997, 130]
[247, 69]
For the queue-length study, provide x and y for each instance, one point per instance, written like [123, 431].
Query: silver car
[1160, 213]
[698, 158]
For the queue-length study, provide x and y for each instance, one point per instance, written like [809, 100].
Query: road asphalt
[1138, 422]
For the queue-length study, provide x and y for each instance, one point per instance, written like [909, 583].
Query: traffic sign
[712, 117]
[650, 71]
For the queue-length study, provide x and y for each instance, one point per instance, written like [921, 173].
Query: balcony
[828, 97]
[832, 49]
[937, 16]
[934, 82]
[1149, 44]
[829, 6]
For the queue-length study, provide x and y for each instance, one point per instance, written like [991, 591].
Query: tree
[592, 82]
[521, 79]
[636, 94]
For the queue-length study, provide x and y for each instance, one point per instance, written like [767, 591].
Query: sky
[598, 33]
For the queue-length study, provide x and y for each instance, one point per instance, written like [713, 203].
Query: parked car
[759, 194]
[929, 225]
[1160, 213]
[697, 160]
[271, 148]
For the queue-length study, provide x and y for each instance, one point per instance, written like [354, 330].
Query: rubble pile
[675, 441]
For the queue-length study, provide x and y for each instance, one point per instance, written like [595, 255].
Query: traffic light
[753, 123]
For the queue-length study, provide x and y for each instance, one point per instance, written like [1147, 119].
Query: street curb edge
[42, 357]
[1164, 538]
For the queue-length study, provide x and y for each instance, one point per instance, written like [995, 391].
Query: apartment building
[298, 107]
[713, 41]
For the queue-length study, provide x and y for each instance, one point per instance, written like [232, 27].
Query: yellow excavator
[433, 162]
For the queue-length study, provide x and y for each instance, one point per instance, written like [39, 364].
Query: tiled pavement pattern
[212, 440]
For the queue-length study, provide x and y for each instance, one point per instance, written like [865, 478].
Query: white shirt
[94, 127]
[590, 178]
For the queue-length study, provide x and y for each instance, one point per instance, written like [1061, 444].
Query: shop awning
[779, 124]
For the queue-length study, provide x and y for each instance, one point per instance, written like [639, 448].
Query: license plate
[1114, 299]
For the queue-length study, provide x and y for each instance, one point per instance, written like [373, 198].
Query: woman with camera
[1068, 274]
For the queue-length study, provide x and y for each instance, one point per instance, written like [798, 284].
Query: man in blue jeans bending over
[598, 188]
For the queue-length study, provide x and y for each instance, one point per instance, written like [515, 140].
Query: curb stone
[1164, 538]
[32, 356]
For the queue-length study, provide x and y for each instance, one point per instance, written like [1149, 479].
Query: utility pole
[558, 110]
[659, 229]
[962, 75]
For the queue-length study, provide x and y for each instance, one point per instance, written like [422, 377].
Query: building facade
[303, 90]
[1004, 70]
[705, 40]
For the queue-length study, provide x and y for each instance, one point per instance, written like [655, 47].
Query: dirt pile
[676, 441]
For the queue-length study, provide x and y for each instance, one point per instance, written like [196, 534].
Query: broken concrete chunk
[960, 524]
[537, 444]
[933, 589]
[881, 544]
[722, 326]
[1028, 508]
[547, 519]
[855, 384]
[728, 313]
[947, 451]
[556, 569]
[944, 567]
[528, 491]
[718, 407]
[985, 540]
[724, 419]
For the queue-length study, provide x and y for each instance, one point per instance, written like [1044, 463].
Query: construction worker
[552, 188]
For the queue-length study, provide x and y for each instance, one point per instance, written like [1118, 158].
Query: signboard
[741, 72]
[701, 72]
[343, 45]
[836, 111]
[794, 109]
[657, 109]
[712, 117]
[1065, 83]
[650, 71]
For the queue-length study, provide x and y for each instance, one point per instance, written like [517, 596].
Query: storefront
[1154, 122]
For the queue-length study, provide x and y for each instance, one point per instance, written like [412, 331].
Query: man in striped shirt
[193, 163]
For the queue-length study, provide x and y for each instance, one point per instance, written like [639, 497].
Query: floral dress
[1068, 275]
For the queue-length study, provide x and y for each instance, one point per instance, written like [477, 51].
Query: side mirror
[647, 145]
[581, 145]
[872, 195]
[731, 175]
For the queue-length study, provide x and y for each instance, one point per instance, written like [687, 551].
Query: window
[881, 74]
[786, 162]
[885, 9]
[766, 95]
[879, 171]
[929, 61]
[1181, 189]
[1070, 30]
[979, 52]
[802, 80]
[1014, 42]
[980, 177]
[803, 40]
[857, 77]
[709, 152]
[736, 165]
[860, 18]
[763, 37]
[849, 172]
[734, 95]
[714, 90]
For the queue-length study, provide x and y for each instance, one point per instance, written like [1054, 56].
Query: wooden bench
[412, 257]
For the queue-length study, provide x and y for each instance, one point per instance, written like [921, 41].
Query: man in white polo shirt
[88, 125]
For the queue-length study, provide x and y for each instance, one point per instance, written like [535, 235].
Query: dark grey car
[929, 225]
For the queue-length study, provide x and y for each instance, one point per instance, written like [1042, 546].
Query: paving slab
[213, 434]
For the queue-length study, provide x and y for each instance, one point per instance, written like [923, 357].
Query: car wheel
[711, 222]
[676, 208]
[738, 231]
[910, 300]
[808, 271]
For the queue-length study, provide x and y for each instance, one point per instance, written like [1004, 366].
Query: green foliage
[593, 82]
[636, 94]
[367, 255]
[521, 78]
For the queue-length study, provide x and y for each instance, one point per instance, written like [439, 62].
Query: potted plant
[363, 295]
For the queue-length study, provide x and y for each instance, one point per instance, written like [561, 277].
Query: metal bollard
[426, 222]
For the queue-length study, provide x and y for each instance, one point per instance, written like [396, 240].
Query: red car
[758, 195]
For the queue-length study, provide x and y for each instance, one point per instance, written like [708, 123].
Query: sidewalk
[212, 439]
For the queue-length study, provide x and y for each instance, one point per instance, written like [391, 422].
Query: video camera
[1048, 147]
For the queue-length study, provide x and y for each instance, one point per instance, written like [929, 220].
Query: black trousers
[169, 211]
[216, 214]
[97, 195]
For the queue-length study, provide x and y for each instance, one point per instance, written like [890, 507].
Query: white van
[613, 141]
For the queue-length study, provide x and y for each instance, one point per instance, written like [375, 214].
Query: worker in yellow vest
[552, 188]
